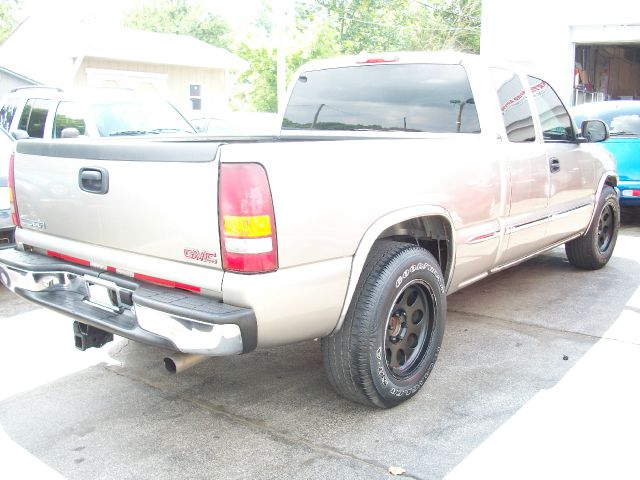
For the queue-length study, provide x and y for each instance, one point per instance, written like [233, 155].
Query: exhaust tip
[170, 365]
[179, 362]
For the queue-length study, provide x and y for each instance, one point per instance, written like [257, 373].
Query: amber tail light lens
[246, 218]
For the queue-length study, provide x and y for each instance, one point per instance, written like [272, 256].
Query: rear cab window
[388, 98]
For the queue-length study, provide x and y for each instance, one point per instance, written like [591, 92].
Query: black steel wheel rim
[409, 328]
[605, 228]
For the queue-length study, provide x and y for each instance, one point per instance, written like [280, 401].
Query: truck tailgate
[154, 198]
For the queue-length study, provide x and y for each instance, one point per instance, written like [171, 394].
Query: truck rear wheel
[393, 329]
[594, 249]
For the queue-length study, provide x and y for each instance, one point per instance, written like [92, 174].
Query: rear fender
[608, 178]
[375, 231]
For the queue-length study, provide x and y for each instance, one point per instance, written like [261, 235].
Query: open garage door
[606, 72]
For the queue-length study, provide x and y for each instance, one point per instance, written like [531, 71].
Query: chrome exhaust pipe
[179, 362]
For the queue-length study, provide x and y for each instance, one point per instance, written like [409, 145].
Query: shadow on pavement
[273, 413]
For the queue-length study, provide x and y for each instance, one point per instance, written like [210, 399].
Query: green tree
[180, 17]
[448, 24]
[8, 18]
[257, 85]
[378, 25]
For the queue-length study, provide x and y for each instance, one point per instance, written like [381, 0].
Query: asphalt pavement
[537, 378]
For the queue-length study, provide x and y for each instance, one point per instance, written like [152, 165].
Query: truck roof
[447, 57]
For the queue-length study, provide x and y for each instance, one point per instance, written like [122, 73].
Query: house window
[195, 95]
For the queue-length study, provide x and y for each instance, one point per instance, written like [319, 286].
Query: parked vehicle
[6, 225]
[623, 119]
[396, 179]
[48, 113]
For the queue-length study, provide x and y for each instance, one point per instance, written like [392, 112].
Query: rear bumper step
[155, 315]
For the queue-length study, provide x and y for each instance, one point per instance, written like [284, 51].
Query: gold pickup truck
[395, 180]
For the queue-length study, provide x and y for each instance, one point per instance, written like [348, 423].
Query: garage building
[588, 50]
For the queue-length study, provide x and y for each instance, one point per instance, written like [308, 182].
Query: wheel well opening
[612, 181]
[432, 233]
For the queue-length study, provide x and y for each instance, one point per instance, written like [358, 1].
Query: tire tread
[346, 352]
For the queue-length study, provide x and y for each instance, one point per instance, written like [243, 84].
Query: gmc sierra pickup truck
[396, 179]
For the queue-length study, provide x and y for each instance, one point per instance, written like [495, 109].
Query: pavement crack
[525, 326]
[257, 426]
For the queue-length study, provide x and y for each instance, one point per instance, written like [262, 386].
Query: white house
[191, 74]
[10, 80]
[587, 49]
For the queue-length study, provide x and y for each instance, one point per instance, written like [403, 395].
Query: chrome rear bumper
[155, 315]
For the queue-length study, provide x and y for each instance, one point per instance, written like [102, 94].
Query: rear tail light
[247, 221]
[631, 193]
[15, 217]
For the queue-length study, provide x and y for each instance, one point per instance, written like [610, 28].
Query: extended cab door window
[34, 116]
[554, 118]
[384, 97]
[68, 115]
[516, 114]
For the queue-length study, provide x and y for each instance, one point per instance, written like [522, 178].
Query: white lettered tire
[393, 329]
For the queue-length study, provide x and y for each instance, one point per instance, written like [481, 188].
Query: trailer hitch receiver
[87, 336]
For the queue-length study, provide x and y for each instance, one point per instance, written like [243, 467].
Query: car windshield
[621, 121]
[137, 116]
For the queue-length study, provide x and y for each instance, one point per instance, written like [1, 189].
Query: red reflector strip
[68, 258]
[479, 238]
[139, 276]
[165, 283]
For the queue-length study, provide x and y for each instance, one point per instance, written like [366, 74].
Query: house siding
[176, 82]
[8, 82]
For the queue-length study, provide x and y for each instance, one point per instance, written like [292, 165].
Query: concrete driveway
[537, 378]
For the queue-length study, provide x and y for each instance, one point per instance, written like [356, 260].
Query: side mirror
[70, 132]
[594, 131]
[19, 134]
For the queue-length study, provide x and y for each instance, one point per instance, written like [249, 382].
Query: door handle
[554, 165]
[94, 180]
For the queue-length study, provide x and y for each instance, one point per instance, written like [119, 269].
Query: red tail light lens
[15, 217]
[247, 221]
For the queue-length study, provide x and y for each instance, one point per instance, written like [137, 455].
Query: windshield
[405, 98]
[137, 116]
[623, 121]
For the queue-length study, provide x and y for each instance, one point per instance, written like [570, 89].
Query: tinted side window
[68, 115]
[516, 113]
[554, 118]
[26, 113]
[407, 98]
[7, 113]
[34, 117]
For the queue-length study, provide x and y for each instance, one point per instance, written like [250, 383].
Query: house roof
[18, 76]
[49, 51]
[161, 48]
